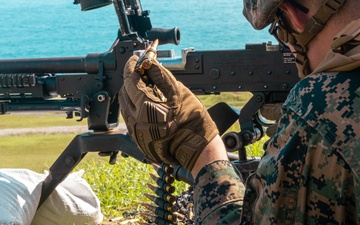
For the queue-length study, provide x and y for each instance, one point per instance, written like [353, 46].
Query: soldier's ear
[297, 17]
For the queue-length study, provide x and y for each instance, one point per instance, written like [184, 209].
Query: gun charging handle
[165, 36]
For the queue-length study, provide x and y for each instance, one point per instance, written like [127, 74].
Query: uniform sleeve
[218, 194]
[309, 172]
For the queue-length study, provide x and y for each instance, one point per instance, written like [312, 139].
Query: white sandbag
[72, 202]
[20, 192]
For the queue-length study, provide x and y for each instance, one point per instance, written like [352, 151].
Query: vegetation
[12, 121]
[118, 186]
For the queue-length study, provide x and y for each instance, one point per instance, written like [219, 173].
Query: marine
[309, 173]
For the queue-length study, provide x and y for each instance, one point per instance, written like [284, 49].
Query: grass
[11, 121]
[121, 186]
[234, 99]
[118, 186]
[36, 152]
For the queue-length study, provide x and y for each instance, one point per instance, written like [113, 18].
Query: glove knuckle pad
[153, 113]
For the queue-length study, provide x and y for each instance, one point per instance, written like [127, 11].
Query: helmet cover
[260, 13]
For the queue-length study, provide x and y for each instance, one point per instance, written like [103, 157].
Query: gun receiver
[87, 87]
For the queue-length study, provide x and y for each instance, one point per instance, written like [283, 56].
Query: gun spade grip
[165, 36]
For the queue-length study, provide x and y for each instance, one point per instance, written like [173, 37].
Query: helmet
[261, 13]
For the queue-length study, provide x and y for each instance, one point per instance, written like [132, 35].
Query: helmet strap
[313, 27]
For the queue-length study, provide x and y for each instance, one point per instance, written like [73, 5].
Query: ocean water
[58, 28]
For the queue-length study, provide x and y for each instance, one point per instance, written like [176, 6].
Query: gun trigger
[83, 113]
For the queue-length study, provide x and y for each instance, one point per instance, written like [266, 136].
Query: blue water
[53, 28]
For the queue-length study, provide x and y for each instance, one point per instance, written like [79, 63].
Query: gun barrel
[88, 64]
[43, 65]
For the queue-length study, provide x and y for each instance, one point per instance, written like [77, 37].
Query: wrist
[215, 150]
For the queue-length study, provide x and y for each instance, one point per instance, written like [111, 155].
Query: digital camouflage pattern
[314, 178]
[218, 194]
[260, 13]
[310, 172]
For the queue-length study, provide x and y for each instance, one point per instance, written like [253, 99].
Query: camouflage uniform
[310, 172]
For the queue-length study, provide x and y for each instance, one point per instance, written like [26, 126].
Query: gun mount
[87, 87]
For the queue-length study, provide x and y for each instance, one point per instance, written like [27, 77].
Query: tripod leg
[62, 167]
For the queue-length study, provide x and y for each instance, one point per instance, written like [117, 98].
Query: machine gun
[87, 87]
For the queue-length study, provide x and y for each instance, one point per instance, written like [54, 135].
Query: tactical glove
[272, 112]
[166, 120]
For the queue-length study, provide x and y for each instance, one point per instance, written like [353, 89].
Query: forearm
[215, 150]
[218, 192]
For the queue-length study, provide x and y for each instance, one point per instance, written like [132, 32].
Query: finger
[271, 111]
[133, 83]
[138, 92]
[127, 109]
[125, 101]
[164, 80]
[133, 86]
[130, 66]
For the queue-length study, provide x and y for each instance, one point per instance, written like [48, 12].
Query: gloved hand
[271, 112]
[167, 121]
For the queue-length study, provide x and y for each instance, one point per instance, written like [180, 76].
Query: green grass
[11, 121]
[234, 99]
[36, 152]
[118, 186]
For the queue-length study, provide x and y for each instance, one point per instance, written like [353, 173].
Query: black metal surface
[102, 142]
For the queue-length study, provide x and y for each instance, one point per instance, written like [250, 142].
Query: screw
[246, 137]
[230, 142]
[101, 98]
[122, 50]
[69, 160]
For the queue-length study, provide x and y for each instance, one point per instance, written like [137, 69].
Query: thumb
[130, 66]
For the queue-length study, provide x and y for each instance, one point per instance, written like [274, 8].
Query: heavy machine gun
[87, 88]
